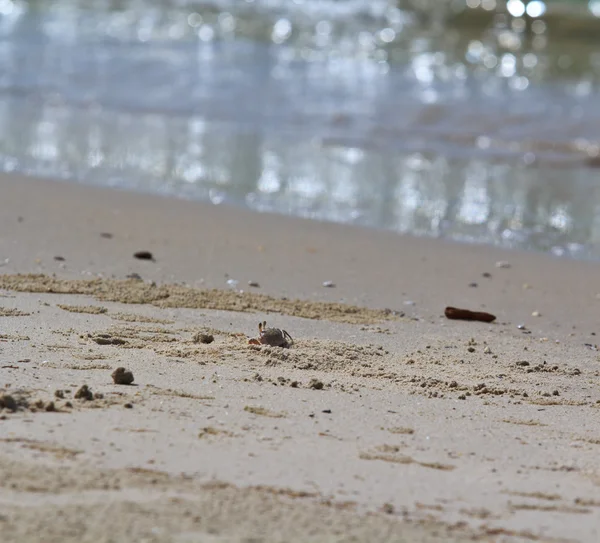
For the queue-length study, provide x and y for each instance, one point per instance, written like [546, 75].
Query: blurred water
[475, 120]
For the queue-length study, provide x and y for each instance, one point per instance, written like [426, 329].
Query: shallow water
[456, 122]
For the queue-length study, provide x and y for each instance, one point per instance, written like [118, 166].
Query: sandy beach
[384, 421]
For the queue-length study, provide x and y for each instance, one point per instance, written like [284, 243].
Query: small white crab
[272, 336]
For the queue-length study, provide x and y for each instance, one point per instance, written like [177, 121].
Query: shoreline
[278, 251]
[235, 208]
[424, 427]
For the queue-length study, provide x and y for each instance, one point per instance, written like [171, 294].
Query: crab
[272, 336]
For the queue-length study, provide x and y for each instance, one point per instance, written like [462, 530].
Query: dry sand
[385, 421]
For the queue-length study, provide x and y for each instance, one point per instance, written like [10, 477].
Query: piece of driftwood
[467, 315]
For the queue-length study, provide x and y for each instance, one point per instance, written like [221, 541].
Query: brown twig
[467, 315]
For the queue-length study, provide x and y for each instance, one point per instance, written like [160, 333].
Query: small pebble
[487, 350]
[521, 327]
[59, 258]
[106, 235]
[536, 314]
[121, 376]
[328, 284]
[473, 285]
[387, 508]
[143, 255]
[486, 274]
[232, 283]
[8, 402]
[253, 284]
[502, 264]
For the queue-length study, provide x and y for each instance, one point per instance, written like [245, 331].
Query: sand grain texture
[385, 421]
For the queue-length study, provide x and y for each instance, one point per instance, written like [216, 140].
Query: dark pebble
[121, 376]
[143, 255]
[8, 402]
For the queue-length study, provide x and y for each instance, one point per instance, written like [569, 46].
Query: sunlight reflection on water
[471, 125]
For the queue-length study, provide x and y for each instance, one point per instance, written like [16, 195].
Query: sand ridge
[133, 291]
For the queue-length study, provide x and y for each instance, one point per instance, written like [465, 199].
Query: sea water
[474, 120]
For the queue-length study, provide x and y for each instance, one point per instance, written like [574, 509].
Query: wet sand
[385, 421]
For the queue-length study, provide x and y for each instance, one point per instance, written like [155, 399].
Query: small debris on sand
[316, 384]
[328, 284]
[143, 255]
[90, 309]
[467, 315]
[254, 284]
[258, 410]
[121, 376]
[502, 264]
[107, 339]
[201, 337]
[8, 402]
[84, 393]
